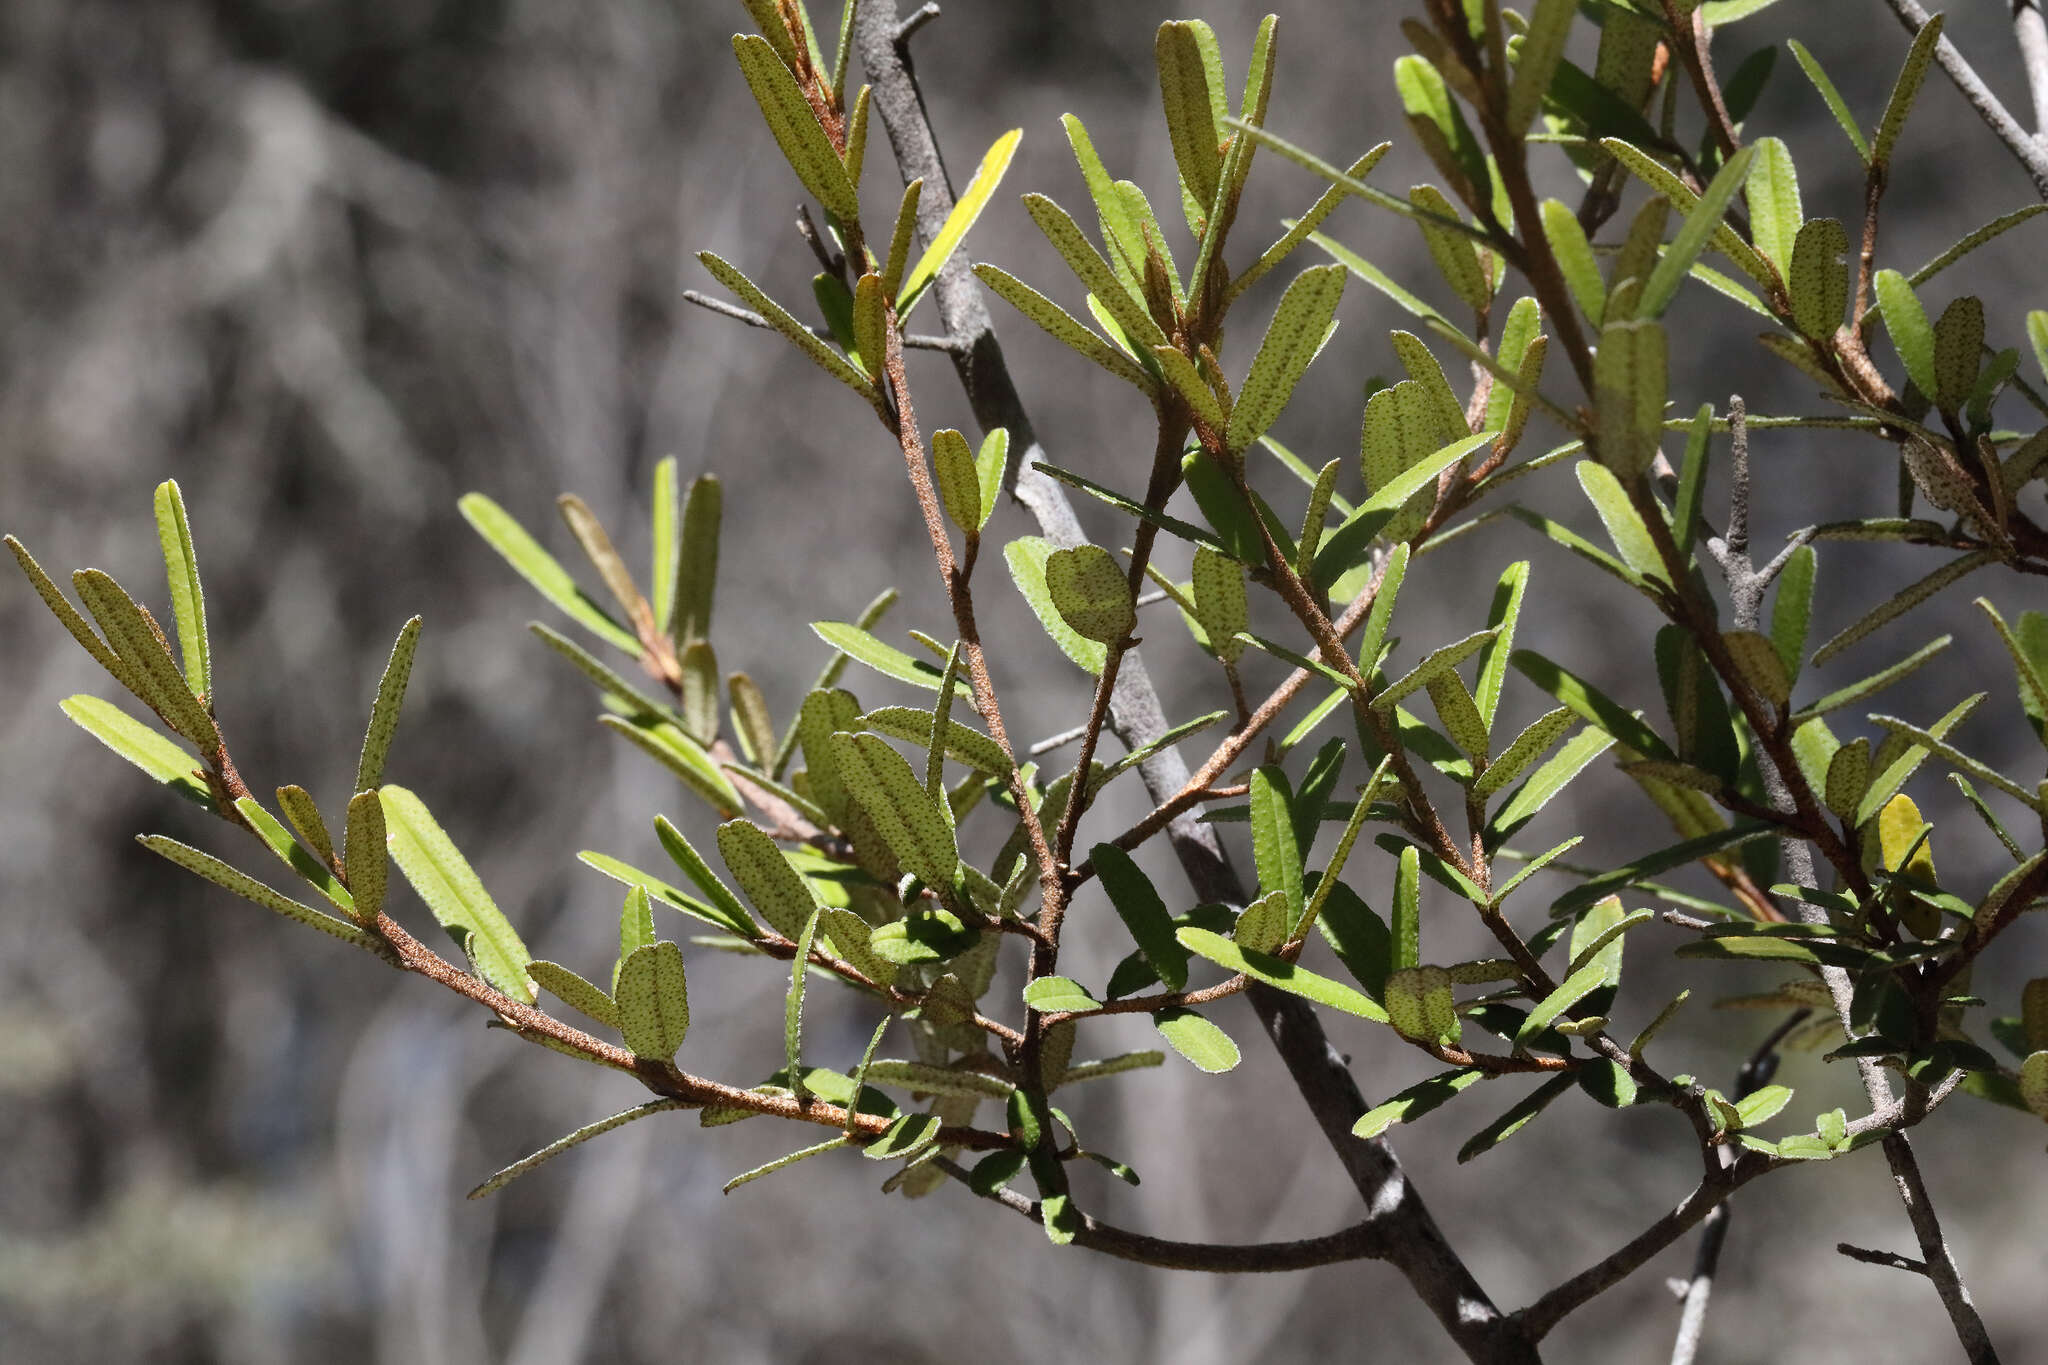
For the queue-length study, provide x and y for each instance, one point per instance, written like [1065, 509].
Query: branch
[2027, 150]
[2031, 34]
[1412, 1241]
[1939, 1265]
[1692, 1322]
[1360, 1241]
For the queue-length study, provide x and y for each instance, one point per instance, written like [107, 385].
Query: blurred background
[332, 265]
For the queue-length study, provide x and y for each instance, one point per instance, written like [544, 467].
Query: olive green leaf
[575, 992]
[385, 707]
[1091, 593]
[542, 570]
[188, 601]
[146, 657]
[1903, 601]
[1436, 662]
[1819, 277]
[786, 323]
[797, 132]
[1057, 994]
[1833, 97]
[696, 568]
[959, 481]
[453, 892]
[1301, 324]
[1905, 321]
[1575, 258]
[1419, 1005]
[60, 606]
[1958, 351]
[766, 877]
[304, 817]
[1220, 607]
[861, 646]
[562, 1144]
[1550, 23]
[249, 889]
[1629, 377]
[1455, 255]
[904, 813]
[1122, 306]
[1905, 90]
[1062, 325]
[793, 1004]
[653, 1000]
[1191, 88]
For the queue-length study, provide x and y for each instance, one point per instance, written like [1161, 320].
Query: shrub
[897, 850]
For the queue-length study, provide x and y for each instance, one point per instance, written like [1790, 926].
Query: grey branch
[1889, 1259]
[2032, 35]
[1412, 1241]
[2030, 151]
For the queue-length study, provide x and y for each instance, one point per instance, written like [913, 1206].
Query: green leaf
[140, 745]
[1629, 377]
[1848, 777]
[366, 838]
[1523, 750]
[963, 744]
[1875, 683]
[1681, 197]
[1280, 973]
[575, 992]
[696, 567]
[959, 481]
[861, 646]
[1547, 781]
[780, 318]
[249, 889]
[1775, 214]
[1958, 348]
[541, 569]
[68, 615]
[966, 209]
[597, 547]
[830, 1144]
[793, 1002]
[661, 577]
[871, 325]
[562, 1144]
[904, 813]
[1415, 1101]
[667, 744]
[1058, 994]
[766, 877]
[1144, 914]
[1970, 242]
[1575, 988]
[1456, 258]
[1346, 547]
[989, 464]
[1516, 1118]
[1437, 662]
[188, 601]
[384, 709]
[1407, 919]
[1700, 225]
[1501, 617]
[852, 939]
[923, 938]
[1198, 1040]
[927, 1079]
[1300, 326]
[1904, 92]
[1758, 663]
[907, 1136]
[1956, 758]
[636, 926]
[1903, 601]
[1191, 92]
[279, 841]
[1792, 609]
[1373, 275]
[1607, 1082]
[1833, 97]
[453, 892]
[146, 658]
[1550, 24]
[1906, 323]
[1091, 593]
[1277, 857]
[726, 906]
[1625, 525]
[1094, 272]
[1904, 758]
[1588, 701]
[1219, 601]
[1575, 259]
[304, 816]
[1301, 229]
[797, 132]
[1062, 325]
[1027, 557]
